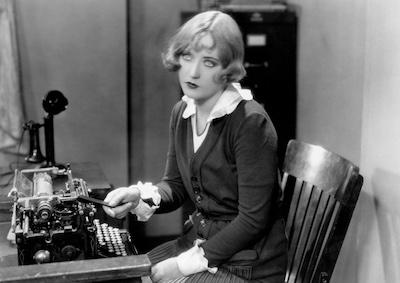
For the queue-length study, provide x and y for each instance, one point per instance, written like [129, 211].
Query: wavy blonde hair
[227, 39]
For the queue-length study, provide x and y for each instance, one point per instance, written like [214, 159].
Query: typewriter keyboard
[113, 241]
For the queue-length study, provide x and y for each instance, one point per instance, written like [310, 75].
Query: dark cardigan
[232, 179]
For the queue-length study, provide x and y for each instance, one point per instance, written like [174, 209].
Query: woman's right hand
[124, 199]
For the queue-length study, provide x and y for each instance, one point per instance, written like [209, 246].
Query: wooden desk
[115, 269]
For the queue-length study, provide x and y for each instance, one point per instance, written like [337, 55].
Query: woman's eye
[210, 63]
[186, 57]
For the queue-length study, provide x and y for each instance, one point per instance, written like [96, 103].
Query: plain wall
[349, 77]
[330, 74]
[79, 48]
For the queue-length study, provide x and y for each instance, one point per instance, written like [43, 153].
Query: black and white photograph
[199, 141]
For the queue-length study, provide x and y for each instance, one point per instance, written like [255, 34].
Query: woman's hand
[165, 270]
[124, 199]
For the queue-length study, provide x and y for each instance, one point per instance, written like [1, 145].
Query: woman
[221, 155]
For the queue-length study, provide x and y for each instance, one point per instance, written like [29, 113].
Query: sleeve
[171, 187]
[255, 150]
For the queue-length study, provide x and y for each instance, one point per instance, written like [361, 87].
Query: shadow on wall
[358, 236]
[386, 188]
[371, 250]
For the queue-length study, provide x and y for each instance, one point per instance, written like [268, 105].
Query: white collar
[226, 104]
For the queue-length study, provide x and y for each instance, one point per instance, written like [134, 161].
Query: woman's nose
[195, 69]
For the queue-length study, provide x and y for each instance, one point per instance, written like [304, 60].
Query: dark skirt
[174, 248]
[270, 271]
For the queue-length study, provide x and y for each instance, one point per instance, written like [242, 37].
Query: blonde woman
[222, 156]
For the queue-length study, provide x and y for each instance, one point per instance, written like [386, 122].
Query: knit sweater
[234, 171]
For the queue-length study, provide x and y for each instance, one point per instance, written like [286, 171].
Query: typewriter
[56, 225]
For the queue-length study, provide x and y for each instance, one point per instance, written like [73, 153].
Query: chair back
[320, 191]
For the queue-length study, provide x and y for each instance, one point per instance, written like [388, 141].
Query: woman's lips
[191, 85]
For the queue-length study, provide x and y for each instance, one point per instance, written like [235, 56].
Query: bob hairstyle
[227, 39]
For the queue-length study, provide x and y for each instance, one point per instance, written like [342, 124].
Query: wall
[79, 48]
[378, 219]
[349, 70]
[330, 74]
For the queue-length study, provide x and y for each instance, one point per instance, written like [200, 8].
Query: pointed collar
[225, 105]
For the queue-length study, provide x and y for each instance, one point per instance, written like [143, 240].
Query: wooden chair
[320, 191]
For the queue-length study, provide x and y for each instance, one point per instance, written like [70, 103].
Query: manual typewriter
[60, 225]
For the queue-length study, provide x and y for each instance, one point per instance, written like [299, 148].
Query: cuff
[193, 261]
[143, 210]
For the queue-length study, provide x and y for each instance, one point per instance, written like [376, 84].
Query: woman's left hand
[165, 270]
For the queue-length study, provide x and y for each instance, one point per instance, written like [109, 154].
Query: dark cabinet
[270, 40]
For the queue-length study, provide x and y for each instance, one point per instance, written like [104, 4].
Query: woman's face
[199, 70]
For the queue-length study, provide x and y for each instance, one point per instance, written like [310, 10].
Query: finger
[117, 197]
[109, 211]
[121, 215]
[134, 194]
[119, 211]
[122, 210]
[155, 277]
[124, 195]
[112, 194]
